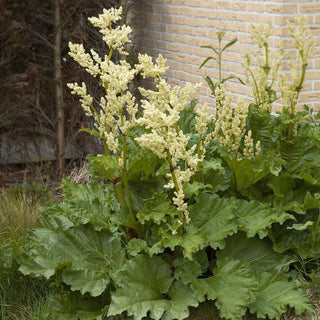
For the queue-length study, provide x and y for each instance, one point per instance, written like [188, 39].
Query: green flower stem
[255, 86]
[220, 36]
[172, 168]
[199, 146]
[303, 74]
[106, 148]
[266, 67]
[121, 197]
[110, 54]
[315, 231]
[124, 168]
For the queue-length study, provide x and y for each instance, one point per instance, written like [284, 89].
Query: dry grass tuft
[79, 173]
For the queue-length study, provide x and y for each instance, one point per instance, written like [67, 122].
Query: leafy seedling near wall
[218, 59]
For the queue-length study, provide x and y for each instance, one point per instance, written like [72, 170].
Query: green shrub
[181, 209]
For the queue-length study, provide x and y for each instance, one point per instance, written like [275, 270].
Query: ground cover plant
[21, 297]
[183, 209]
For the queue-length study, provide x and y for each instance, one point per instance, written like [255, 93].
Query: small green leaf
[205, 61]
[229, 44]
[92, 132]
[210, 83]
[210, 47]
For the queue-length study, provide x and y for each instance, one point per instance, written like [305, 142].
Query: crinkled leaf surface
[141, 287]
[85, 203]
[304, 241]
[275, 294]
[189, 270]
[212, 220]
[258, 253]
[103, 166]
[74, 306]
[301, 153]
[144, 189]
[85, 257]
[233, 286]
[157, 209]
[255, 217]
[181, 298]
[247, 172]
[187, 118]
[135, 246]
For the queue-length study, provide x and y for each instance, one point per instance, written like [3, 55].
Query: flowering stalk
[230, 127]
[291, 87]
[262, 79]
[166, 139]
[117, 108]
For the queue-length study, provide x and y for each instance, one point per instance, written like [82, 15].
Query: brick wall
[178, 28]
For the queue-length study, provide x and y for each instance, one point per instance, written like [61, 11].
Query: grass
[21, 297]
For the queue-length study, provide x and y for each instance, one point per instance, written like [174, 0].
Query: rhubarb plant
[181, 208]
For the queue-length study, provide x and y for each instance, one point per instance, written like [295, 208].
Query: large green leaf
[275, 294]
[247, 172]
[181, 298]
[212, 220]
[106, 167]
[233, 286]
[84, 257]
[74, 306]
[187, 118]
[85, 203]
[157, 209]
[141, 287]
[303, 152]
[189, 270]
[263, 126]
[145, 188]
[255, 217]
[258, 253]
[303, 237]
[142, 161]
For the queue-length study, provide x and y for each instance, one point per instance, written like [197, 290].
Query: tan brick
[312, 75]
[239, 6]
[222, 5]
[186, 49]
[180, 29]
[281, 8]
[256, 7]
[310, 8]
[177, 29]
[200, 32]
[171, 46]
[230, 15]
[309, 96]
[307, 86]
